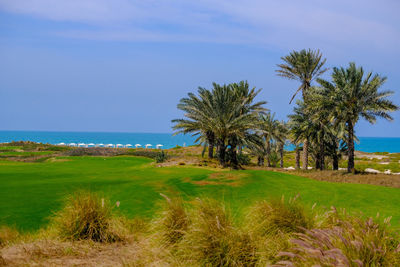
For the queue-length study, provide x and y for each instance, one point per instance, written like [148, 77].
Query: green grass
[29, 192]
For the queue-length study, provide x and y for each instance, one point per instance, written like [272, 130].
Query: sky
[123, 65]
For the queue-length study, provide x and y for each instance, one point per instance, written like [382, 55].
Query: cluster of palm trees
[224, 117]
[323, 121]
[228, 118]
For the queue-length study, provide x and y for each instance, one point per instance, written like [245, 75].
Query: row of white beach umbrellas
[107, 145]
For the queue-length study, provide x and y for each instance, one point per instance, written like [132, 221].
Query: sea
[167, 140]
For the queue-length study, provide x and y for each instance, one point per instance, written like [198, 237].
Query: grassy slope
[30, 191]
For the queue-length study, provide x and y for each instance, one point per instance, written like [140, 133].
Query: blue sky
[99, 65]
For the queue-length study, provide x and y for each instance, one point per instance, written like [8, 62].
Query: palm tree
[226, 116]
[198, 111]
[235, 116]
[269, 128]
[303, 66]
[301, 127]
[354, 94]
[283, 134]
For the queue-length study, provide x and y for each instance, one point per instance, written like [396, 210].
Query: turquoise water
[367, 144]
[165, 139]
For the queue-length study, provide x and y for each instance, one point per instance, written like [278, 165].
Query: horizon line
[55, 131]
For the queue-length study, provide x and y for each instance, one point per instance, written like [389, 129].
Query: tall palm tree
[354, 95]
[198, 112]
[235, 115]
[303, 66]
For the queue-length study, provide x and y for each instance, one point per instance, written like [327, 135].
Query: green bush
[274, 158]
[243, 159]
[144, 153]
[161, 157]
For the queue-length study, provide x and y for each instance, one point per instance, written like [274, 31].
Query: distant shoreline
[367, 144]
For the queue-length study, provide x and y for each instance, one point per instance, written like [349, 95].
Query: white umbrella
[72, 144]
[159, 146]
[61, 144]
[98, 145]
[110, 145]
[119, 145]
[81, 144]
[147, 145]
[91, 144]
[137, 145]
[128, 145]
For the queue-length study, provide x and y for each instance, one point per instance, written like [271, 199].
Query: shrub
[161, 157]
[88, 217]
[172, 222]
[243, 159]
[144, 153]
[274, 158]
[212, 240]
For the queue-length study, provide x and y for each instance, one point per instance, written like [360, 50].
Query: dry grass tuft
[8, 235]
[86, 216]
[212, 239]
[278, 215]
[172, 222]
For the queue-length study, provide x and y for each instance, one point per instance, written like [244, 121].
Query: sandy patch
[57, 253]
[219, 178]
[359, 154]
[57, 160]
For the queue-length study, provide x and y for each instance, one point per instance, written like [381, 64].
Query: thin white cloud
[281, 23]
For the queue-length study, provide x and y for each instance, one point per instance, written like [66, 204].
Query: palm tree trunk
[335, 162]
[211, 143]
[350, 146]
[297, 158]
[317, 158]
[335, 157]
[221, 152]
[281, 154]
[210, 150]
[305, 154]
[268, 153]
[233, 156]
[260, 161]
[322, 156]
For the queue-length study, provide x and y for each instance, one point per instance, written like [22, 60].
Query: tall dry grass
[344, 241]
[203, 232]
[87, 216]
[171, 222]
[8, 235]
[272, 224]
[279, 215]
[213, 240]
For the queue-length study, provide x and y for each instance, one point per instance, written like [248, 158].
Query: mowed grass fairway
[29, 192]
